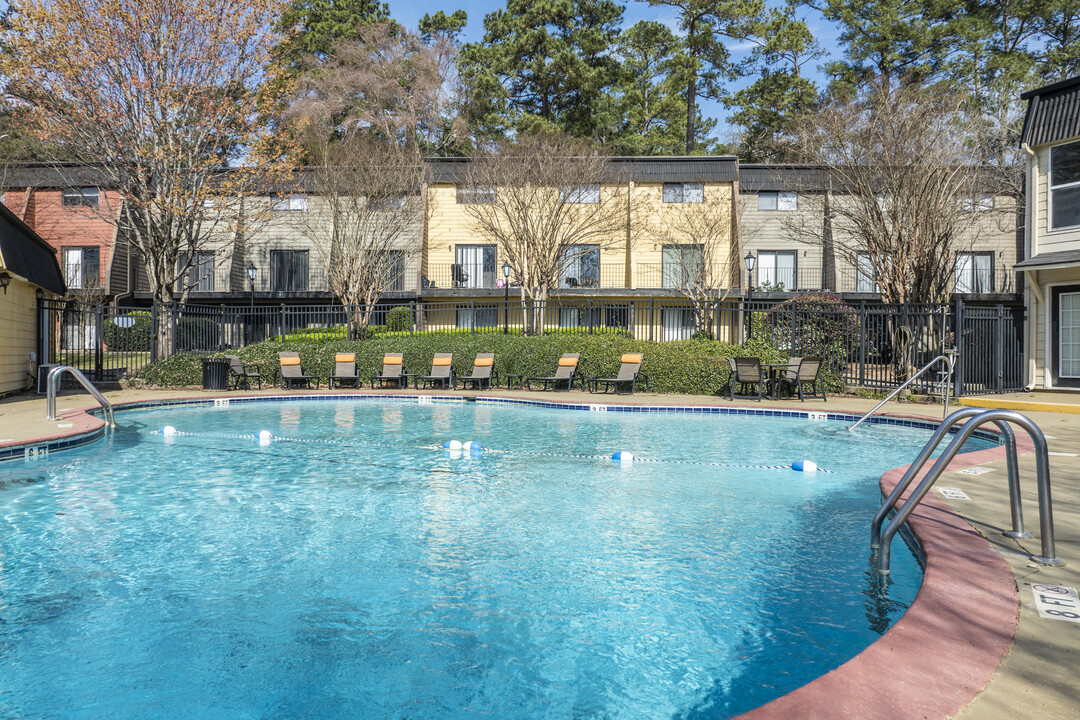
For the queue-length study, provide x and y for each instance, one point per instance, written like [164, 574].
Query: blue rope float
[473, 449]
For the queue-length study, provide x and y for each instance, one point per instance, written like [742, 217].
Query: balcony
[459, 276]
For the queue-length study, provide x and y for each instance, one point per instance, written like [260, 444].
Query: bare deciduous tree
[703, 259]
[161, 96]
[540, 201]
[365, 219]
[905, 196]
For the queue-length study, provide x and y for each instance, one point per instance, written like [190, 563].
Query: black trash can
[215, 373]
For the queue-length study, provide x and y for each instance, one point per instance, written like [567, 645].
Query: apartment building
[1051, 264]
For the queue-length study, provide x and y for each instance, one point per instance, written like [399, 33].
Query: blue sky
[409, 14]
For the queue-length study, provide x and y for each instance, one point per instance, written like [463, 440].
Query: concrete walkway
[1037, 677]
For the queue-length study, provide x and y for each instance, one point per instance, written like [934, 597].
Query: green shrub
[136, 338]
[197, 334]
[400, 319]
[305, 335]
[696, 367]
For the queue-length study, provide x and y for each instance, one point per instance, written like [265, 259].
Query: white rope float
[457, 449]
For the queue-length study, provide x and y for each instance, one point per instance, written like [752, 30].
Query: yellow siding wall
[18, 334]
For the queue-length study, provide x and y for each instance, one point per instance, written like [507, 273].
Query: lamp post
[252, 272]
[506, 298]
[749, 260]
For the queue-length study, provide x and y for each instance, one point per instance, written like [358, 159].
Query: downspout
[1033, 290]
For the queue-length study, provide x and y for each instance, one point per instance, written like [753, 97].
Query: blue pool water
[356, 569]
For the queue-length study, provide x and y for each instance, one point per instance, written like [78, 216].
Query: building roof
[688, 168]
[23, 252]
[1053, 113]
[783, 178]
[1045, 261]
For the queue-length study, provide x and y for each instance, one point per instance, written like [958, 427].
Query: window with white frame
[975, 272]
[776, 270]
[288, 203]
[682, 265]
[1069, 335]
[684, 192]
[475, 267]
[580, 267]
[80, 197]
[977, 203]
[585, 195]
[82, 267]
[783, 201]
[1064, 182]
[479, 195]
[200, 276]
[865, 274]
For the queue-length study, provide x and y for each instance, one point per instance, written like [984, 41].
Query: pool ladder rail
[946, 374]
[53, 386]
[880, 540]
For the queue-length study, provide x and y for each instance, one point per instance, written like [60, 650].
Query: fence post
[99, 340]
[221, 330]
[652, 318]
[281, 324]
[412, 317]
[999, 349]
[174, 322]
[958, 342]
[154, 318]
[862, 343]
[590, 317]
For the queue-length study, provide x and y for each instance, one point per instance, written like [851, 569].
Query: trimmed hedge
[695, 367]
[136, 338]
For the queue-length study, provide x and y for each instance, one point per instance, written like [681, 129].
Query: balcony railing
[459, 276]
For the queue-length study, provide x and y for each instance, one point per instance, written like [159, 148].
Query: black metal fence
[868, 345]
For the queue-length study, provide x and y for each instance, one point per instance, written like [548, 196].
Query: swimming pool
[353, 567]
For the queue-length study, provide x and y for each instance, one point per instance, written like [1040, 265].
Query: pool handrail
[1042, 466]
[1012, 467]
[53, 387]
[949, 356]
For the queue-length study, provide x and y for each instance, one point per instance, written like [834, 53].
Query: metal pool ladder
[950, 359]
[880, 541]
[53, 386]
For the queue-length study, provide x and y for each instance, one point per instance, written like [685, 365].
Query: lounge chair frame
[239, 372]
[288, 376]
[808, 374]
[399, 381]
[563, 374]
[441, 375]
[341, 375]
[629, 374]
[487, 373]
[747, 371]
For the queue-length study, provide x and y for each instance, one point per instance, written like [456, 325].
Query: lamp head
[749, 260]
[252, 272]
[5, 280]
[506, 270]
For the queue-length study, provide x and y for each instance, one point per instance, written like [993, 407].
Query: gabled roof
[688, 168]
[1053, 113]
[23, 252]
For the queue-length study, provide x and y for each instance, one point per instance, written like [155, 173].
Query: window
[80, 197]
[81, 267]
[785, 201]
[200, 277]
[682, 265]
[475, 267]
[586, 194]
[975, 272]
[1068, 339]
[288, 270]
[388, 202]
[475, 195]
[395, 271]
[580, 267]
[677, 324]
[469, 318]
[684, 192]
[288, 203]
[977, 203]
[865, 275]
[776, 270]
[1064, 182]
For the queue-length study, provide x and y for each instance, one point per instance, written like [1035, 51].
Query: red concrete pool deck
[965, 648]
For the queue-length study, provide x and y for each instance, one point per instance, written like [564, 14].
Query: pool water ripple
[376, 575]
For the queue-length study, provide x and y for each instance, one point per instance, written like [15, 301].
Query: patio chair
[806, 373]
[344, 370]
[241, 373]
[482, 372]
[459, 275]
[290, 372]
[565, 372]
[629, 372]
[442, 372]
[746, 371]
[393, 373]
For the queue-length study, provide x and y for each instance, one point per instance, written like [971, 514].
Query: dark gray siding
[1053, 113]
